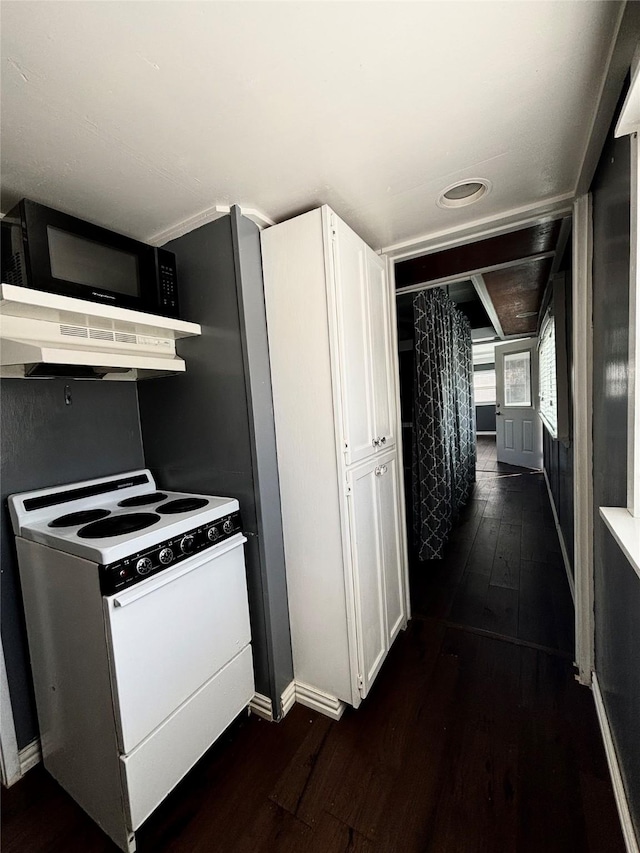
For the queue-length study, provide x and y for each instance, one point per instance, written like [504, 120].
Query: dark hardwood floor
[503, 570]
[475, 737]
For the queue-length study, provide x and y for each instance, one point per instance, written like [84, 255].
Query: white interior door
[518, 427]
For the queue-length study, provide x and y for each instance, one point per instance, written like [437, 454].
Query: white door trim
[9, 756]
[582, 359]
[491, 226]
[402, 509]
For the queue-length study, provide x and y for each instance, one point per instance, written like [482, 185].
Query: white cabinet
[376, 561]
[330, 321]
[350, 266]
[382, 356]
[363, 337]
[368, 576]
[390, 521]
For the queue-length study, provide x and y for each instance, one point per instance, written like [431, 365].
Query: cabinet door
[368, 579]
[381, 355]
[392, 567]
[353, 332]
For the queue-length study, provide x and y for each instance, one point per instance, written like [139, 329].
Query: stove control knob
[144, 566]
[213, 533]
[188, 545]
[165, 556]
[227, 526]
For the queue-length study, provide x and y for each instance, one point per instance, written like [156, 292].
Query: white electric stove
[138, 626]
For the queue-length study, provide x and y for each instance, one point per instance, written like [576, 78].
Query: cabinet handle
[376, 442]
[380, 470]
[383, 440]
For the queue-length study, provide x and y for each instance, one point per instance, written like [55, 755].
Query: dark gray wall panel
[44, 443]
[617, 588]
[198, 429]
[486, 418]
[255, 345]
[611, 199]
[618, 646]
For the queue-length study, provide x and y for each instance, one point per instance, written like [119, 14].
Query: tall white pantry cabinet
[332, 343]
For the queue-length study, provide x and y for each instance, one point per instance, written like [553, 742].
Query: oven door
[171, 633]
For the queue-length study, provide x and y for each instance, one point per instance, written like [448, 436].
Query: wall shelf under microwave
[39, 329]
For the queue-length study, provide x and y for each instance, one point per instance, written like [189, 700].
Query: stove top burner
[182, 505]
[81, 517]
[143, 500]
[116, 525]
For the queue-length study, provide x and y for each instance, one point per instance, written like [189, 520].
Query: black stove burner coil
[143, 500]
[83, 516]
[116, 525]
[182, 505]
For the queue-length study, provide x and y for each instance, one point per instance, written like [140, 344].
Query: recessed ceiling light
[464, 192]
[526, 314]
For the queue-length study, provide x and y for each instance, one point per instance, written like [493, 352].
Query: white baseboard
[288, 698]
[485, 432]
[30, 756]
[563, 547]
[27, 758]
[261, 706]
[315, 699]
[626, 823]
[9, 758]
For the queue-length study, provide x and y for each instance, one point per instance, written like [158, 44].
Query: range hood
[44, 334]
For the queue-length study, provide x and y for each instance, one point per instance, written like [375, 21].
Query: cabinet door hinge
[360, 682]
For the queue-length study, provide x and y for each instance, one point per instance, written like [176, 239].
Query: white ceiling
[142, 115]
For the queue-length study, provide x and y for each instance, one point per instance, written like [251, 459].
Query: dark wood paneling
[518, 290]
[483, 253]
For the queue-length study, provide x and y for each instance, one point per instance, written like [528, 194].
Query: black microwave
[47, 250]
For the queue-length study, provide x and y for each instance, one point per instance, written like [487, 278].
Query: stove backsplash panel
[54, 431]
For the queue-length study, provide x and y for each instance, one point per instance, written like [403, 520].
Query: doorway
[504, 285]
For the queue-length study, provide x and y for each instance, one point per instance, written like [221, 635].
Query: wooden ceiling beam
[483, 294]
[468, 276]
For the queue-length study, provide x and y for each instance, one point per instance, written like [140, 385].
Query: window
[517, 379]
[548, 388]
[553, 372]
[484, 387]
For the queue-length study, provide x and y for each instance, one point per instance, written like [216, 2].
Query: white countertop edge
[625, 530]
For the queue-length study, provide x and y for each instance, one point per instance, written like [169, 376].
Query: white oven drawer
[170, 634]
[159, 762]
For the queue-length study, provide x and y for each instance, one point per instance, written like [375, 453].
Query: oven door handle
[123, 599]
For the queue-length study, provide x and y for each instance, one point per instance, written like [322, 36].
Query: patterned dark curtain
[444, 448]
